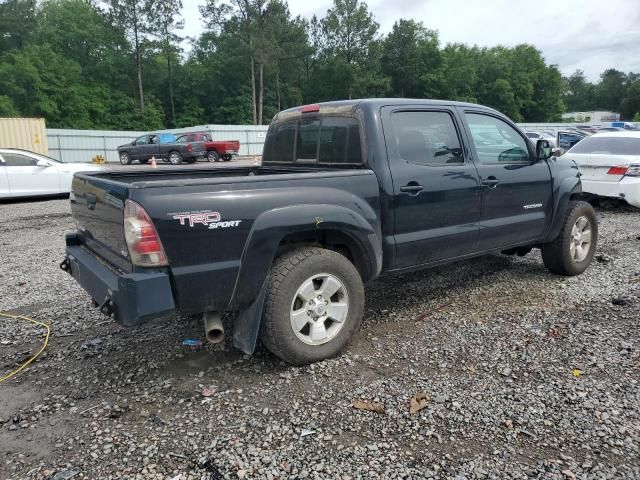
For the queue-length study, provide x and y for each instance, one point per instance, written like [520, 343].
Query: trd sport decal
[205, 217]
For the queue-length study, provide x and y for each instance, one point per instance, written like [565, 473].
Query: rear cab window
[323, 140]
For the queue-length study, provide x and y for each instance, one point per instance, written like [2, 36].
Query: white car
[537, 135]
[610, 165]
[28, 174]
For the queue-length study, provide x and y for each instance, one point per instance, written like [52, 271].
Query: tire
[213, 156]
[175, 158]
[125, 159]
[300, 275]
[562, 256]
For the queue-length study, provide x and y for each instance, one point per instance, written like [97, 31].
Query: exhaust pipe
[213, 329]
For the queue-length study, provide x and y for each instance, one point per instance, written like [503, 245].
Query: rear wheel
[573, 250]
[175, 158]
[315, 302]
[125, 159]
[213, 156]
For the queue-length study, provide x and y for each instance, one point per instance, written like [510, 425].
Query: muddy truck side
[347, 191]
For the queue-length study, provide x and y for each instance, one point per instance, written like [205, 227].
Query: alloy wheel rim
[319, 309]
[581, 238]
[174, 158]
[124, 159]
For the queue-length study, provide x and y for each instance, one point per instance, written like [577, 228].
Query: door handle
[490, 182]
[412, 188]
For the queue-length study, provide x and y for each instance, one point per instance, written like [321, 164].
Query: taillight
[633, 171]
[189, 147]
[617, 171]
[142, 239]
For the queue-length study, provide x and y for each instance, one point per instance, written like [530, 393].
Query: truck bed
[165, 177]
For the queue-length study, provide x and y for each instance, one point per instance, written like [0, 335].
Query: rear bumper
[626, 189]
[132, 298]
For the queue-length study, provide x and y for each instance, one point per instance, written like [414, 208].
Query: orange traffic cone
[153, 162]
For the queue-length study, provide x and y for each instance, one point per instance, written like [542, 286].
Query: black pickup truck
[161, 146]
[347, 191]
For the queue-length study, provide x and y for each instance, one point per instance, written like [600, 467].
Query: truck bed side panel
[205, 256]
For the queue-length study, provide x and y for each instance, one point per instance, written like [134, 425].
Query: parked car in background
[610, 165]
[215, 150]
[587, 128]
[566, 139]
[27, 174]
[539, 135]
[624, 125]
[162, 146]
[610, 129]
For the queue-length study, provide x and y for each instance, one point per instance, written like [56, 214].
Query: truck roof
[347, 106]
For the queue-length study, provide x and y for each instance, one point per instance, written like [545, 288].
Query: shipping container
[26, 133]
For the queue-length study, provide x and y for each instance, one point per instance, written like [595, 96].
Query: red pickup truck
[215, 151]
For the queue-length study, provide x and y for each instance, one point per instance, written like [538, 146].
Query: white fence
[76, 146]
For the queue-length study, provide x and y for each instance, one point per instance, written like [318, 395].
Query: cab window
[496, 141]
[324, 141]
[426, 138]
[144, 140]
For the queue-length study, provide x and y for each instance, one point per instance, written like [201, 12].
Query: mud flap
[247, 324]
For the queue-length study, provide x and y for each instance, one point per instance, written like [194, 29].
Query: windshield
[608, 145]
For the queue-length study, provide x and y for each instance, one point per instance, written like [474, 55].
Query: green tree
[350, 32]
[610, 90]
[132, 17]
[79, 31]
[241, 19]
[578, 93]
[412, 59]
[7, 108]
[17, 18]
[167, 20]
[630, 103]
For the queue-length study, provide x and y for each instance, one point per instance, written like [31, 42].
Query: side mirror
[557, 152]
[543, 150]
[43, 163]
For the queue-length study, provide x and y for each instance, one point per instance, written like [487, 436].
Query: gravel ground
[525, 374]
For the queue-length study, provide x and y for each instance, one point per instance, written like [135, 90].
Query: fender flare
[566, 189]
[262, 245]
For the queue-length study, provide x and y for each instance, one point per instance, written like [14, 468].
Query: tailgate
[97, 206]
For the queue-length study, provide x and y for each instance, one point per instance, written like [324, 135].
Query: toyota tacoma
[347, 191]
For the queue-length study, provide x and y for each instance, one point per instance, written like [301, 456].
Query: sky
[590, 35]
